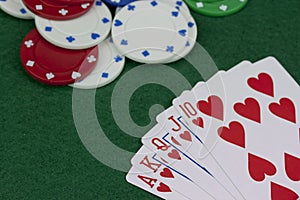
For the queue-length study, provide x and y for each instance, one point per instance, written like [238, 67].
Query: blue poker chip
[118, 3]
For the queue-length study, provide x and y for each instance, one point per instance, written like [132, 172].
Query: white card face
[148, 163]
[258, 140]
[185, 141]
[197, 116]
[152, 185]
[209, 104]
[183, 163]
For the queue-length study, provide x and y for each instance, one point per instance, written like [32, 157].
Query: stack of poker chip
[78, 42]
[71, 43]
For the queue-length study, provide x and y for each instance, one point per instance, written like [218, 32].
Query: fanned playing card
[236, 136]
[151, 165]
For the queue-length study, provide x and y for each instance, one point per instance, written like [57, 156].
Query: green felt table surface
[41, 154]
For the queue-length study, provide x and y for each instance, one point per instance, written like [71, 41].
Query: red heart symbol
[186, 136]
[175, 141]
[199, 122]
[163, 188]
[213, 107]
[166, 173]
[278, 192]
[250, 109]
[258, 168]
[263, 84]
[174, 154]
[235, 134]
[292, 167]
[285, 109]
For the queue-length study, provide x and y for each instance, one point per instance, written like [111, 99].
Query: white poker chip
[80, 33]
[192, 37]
[27, 10]
[15, 9]
[149, 31]
[192, 30]
[109, 67]
[180, 5]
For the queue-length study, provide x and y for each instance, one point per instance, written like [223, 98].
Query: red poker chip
[56, 11]
[54, 65]
[72, 2]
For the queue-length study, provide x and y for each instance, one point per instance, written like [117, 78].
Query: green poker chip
[216, 8]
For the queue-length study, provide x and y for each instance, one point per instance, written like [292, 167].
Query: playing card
[197, 116]
[152, 185]
[236, 136]
[256, 130]
[184, 164]
[180, 136]
[148, 162]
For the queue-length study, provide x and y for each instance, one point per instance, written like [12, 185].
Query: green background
[41, 155]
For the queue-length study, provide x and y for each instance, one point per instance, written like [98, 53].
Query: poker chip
[27, 10]
[72, 2]
[108, 68]
[149, 31]
[180, 5]
[192, 31]
[54, 65]
[80, 33]
[51, 10]
[118, 3]
[15, 9]
[216, 8]
[192, 36]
